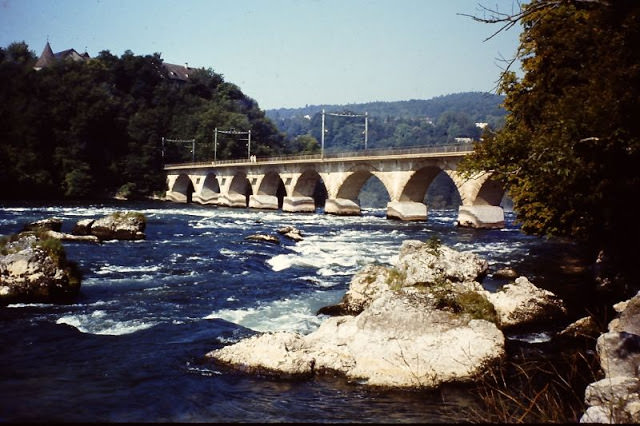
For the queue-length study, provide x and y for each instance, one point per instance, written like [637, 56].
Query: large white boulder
[420, 324]
[396, 342]
[402, 328]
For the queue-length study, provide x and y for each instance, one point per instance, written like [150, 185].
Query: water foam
[296, 314]
[98, 322]
[111, 269]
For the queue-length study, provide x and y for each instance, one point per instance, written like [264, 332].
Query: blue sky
[286, 53]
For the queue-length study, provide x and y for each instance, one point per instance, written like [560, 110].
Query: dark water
[131, 346]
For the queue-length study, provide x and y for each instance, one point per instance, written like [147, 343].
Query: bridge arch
[418, 184]
[270, 192]
[352, 186]
[443, 192]
[210, 190]
[307, 191]
[305, 185]
[182, 189]
[490, 193]
[239, 192]
[270, 184]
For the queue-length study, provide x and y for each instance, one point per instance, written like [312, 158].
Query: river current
[131, 347]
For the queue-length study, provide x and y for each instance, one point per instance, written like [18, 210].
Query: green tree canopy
[570, 145]
[79, 129]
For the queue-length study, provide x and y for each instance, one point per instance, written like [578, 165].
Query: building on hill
[178, 73]
[47, 57]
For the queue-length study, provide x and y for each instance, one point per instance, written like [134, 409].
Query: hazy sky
[286, 53]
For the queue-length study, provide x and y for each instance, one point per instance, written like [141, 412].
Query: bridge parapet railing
[432, 149]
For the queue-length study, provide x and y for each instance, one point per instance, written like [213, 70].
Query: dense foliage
[79, 129]
[570, 146]
[436, 121]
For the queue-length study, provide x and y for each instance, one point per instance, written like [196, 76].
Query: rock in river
[35, 269]
[264, 238]
[116, 226]
[410, 330]
[422, 323]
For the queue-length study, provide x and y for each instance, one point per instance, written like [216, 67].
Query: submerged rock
[70, 237]
[264, 238]
[583, 328]
[52, 224]
[508, 273]
[291, 233]
[35, 269]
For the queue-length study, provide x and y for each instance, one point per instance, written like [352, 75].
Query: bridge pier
[407, 210]
[265, 202]
[341, 207]
[176, 197]
[298, 205]
[198, 198]
[232, 200]
[481, 217]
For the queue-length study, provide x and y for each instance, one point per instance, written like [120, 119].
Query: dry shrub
[530, 389]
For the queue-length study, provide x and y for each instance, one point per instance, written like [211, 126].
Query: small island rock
[33, 269]
[120, 226]
[291, 233]
[52, 224]
[264, 238]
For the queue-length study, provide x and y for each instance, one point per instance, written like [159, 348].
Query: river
[130, 348]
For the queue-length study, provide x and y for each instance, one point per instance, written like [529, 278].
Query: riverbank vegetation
[569, 150]
[568, 156]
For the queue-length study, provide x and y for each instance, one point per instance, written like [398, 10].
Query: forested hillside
[95, 128]
[392, 124]
[90, 129]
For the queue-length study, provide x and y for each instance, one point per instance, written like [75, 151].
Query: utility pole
[191, 141]
[366, 128]
[322, 138]
[231, 131]
[215, 145]
[347, 114]
[249, 145]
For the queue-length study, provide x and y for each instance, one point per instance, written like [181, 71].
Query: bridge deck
[368, 155]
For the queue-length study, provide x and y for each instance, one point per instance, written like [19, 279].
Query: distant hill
[480, 106]
[415, 122]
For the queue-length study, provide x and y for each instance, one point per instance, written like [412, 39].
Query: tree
[570, 147]
[88, 129]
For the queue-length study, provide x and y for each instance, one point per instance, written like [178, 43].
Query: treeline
[95, 128]
[435, 121]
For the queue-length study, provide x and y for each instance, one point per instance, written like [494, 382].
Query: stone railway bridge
[289, 183]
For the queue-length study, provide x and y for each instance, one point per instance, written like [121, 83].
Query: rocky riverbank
[616, 398]
[425, 322]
